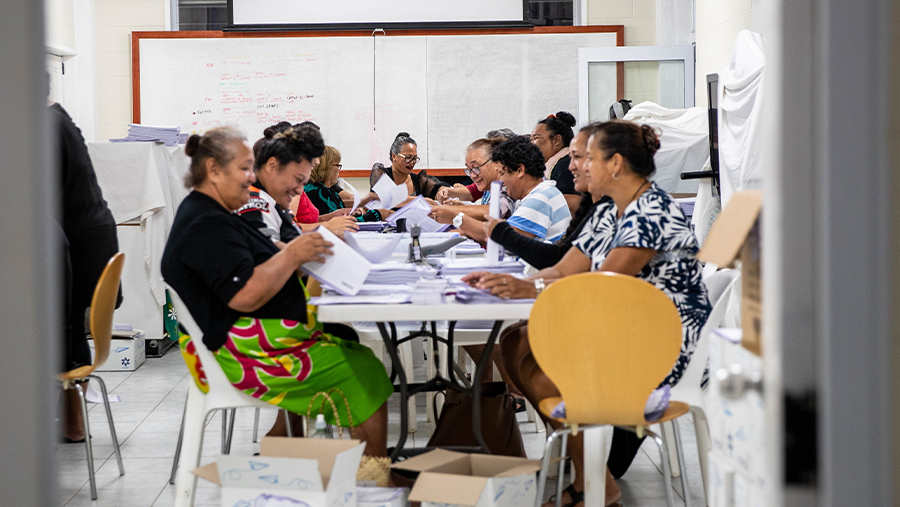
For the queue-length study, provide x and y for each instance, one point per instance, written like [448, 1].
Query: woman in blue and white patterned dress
[642, 232]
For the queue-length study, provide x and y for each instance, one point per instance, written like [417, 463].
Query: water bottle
[321, 428]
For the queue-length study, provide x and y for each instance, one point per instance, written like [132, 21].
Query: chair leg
[256, 426]
[230, 431]
[87, 441]
[679, 452]
[178, 446]
[109, 419]
[668, 435]
[704, 444]
[287, 424]
[545, 465]
[595, 455]
[192, 443]
[667, 471]
[224, 413]
[562, 469]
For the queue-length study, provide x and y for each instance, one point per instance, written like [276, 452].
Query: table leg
[390, 343]
[483, 363]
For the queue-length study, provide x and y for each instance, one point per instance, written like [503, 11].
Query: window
[552, 12]
[196, 15]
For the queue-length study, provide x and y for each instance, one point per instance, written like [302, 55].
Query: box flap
[436, 459]
[346, 464]
[730, 230]
[324, 450]
[502, 466]
[209, 472]
[447, 489]
[269, 473]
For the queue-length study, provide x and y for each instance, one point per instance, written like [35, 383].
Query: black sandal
[574, 494]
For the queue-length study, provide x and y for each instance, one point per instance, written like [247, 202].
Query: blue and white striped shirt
[543, 212]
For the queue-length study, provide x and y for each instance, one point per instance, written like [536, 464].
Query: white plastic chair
[221, 395]
[720, 286]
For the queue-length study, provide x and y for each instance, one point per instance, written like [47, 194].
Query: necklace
[638, 191]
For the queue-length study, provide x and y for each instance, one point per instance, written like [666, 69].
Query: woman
[279, 180]
[541, 211]
[553, 135]
[321, 188]
[404, 157]
[483, 171]
[247, 297]
[642, 232]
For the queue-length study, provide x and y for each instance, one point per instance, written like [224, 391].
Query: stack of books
[146, 133]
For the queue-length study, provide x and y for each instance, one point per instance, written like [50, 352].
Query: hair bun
[651, 139]
[566, 118]
[193, 142]
[402, 134]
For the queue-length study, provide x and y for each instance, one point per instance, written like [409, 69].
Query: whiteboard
[277, 12]
[445, 90]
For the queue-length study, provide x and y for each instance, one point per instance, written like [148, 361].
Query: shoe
[520, 405]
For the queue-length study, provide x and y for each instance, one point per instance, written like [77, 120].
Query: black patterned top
[655, 220]
[328, 200]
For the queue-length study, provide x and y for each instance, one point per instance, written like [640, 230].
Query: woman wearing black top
[552, 136]
[404, 157]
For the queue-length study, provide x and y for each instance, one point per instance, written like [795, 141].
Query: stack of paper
[469, 248]
[397, 273]
[687, 204]
[146, 133]
[469, 295]
[416, 212]
[372, 226]
[458, 267]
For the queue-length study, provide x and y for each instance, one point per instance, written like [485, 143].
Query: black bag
[499, 426]
[619, 109]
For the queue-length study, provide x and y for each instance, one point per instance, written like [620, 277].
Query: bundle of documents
[687, 204]
[416, 212]
[469, 295]
[469, 248]
[371, 226]
[397, 273]
[459, 267]
[146, 133]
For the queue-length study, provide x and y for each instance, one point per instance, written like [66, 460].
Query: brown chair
[103, 304]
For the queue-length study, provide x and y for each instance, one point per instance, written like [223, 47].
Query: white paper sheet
[356, 198]
[389, 193]
[416, 212]
[374, 247]
[493, 249]
[344, 272]
[361, 300]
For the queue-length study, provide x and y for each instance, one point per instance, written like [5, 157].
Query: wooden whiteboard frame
[136, 37]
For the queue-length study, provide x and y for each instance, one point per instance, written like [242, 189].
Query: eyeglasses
[339, 166]
[476, 170]
[410, 159]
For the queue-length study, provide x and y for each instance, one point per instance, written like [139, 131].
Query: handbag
[499, 426]
[371, 468]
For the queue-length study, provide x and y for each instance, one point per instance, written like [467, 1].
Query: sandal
[575, 496]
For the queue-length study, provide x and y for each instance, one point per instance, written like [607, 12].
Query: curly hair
[519, 150]
[289, 143]
[216, 144]
[636, 143]
[321, 171]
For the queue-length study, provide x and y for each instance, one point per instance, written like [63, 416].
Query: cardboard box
[381, 497]
[126, 351]
[449, 478]
[289, 472]
[736, 235]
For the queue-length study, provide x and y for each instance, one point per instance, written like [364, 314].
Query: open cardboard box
[314, 472]
[452, 478]
[736, 235]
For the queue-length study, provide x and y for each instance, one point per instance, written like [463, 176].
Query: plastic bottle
[321, 428]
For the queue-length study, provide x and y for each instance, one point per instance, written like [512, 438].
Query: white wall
[718, 23]
[59, 21]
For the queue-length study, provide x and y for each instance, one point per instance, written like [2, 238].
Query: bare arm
[574, 201]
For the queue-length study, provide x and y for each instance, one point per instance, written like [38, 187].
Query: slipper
[520, 405]
[67, 440]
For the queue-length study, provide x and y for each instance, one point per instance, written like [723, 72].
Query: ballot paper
[371, 226]
[356, 198]
[416, 212]
[470, 295]
[389, 193]
[344, 272]
[380, 299]
[457, 267]
[399, 273]
[374, 247]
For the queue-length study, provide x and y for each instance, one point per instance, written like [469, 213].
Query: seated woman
[323, 195]
[641, 231]
[470, 192]
[483, 171]
[277, 189]
[541, 211]
[404, 157]
[553, 135]
[247, 297]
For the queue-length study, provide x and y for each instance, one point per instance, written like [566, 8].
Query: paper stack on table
[416, 212]
[470, 247]
[458, 267]
[469, 295]
[146, 133]
[397, 273]
[371, 226]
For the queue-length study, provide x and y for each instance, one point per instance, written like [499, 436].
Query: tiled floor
[147, 421]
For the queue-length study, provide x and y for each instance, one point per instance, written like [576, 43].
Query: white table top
[408, 312]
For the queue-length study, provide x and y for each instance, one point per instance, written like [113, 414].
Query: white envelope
[344, 272]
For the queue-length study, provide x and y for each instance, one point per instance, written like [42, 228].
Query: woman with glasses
[404, 157]
[322, 189]
[483, 171]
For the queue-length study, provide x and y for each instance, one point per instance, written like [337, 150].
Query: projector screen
[304, 12]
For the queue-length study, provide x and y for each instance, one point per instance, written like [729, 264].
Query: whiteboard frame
[619, 55]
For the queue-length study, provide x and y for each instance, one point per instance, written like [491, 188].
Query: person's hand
[443, 194]
[310, 247]
[366, 199]
[358, 212]
[453, 201]
[338, 213]
[474, 278]
[432, 201]
[443, 214]
[458, 185]
[506, 286]
[339, 225]
[490, 224]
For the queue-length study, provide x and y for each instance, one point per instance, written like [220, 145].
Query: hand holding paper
[389, 193]
[345, 271]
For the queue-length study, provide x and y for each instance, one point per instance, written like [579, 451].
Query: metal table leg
[390, 343]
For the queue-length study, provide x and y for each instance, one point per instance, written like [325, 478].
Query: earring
[615, 176]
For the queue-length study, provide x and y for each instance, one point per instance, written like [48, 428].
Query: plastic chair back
[103, 305]
[606, 341]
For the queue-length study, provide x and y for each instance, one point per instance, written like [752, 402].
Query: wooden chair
[606, 341]
[103, 304]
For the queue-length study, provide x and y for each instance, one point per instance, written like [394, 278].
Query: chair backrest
[606, 341]
[214, 374]
[103, 305]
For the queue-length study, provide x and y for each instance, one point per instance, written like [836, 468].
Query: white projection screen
[318, 12]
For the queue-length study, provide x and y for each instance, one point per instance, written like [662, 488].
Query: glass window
[202, 14]
[552, 12]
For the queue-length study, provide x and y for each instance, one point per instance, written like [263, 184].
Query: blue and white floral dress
[655, 220]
